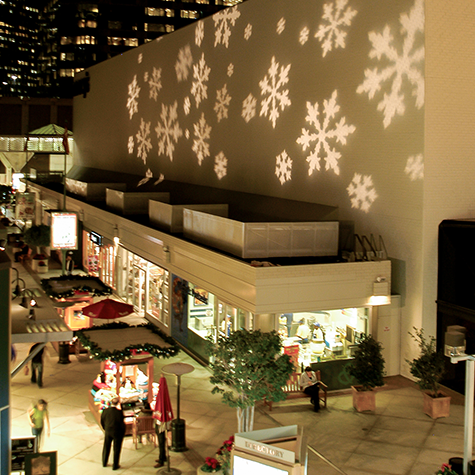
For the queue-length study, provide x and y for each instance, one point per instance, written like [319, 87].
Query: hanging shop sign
[95, 238]
[64, 230]
[25, 206]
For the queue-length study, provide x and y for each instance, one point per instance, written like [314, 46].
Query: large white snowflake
[249, 107]
[397, 67]
[132, 99]
[183, 63]
[131, 144]
[326, 130]
[335, 16]
[143, 140]
[220, 165]
[222, 102]
[202, 133]
[155, 83]
[415, 167]
[361, 192]
[283, 167]
[223, 20]
[187, 105]
[303, 36]
[199, 33]
[272, 84]
[168, 130]
[199, 88]
[247, 31]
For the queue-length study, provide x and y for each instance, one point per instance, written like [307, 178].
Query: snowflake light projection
[148, 176]
[199, 33]
[155, 83]
[247, 31]
[249, 107]
[168, 130]
[303, 36]
[335, 16]
[230, 69]
[186, 105]
[361, 192]
[183, 63]
[202, 133]
[397, 67]
[220, 165]
[144, 144]
[139, 58]
[223, 20]
[415, 167]
[283, 167]
[325, 131]
[131, 144]
[145, 76]
[161, 177]
[199, 88]
[222, 102]
[272, 84]
[280, 26]
[132, 99]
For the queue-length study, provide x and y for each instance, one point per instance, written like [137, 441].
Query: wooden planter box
[436, 407]
[363, 400]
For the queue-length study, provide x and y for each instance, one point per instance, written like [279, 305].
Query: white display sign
[245, 466]
[64, 230]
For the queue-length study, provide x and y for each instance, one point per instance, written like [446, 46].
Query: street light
[455, 345]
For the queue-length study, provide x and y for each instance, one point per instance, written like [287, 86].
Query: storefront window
[99, 260]
[323, 335]
[201, 312]
[158, 286]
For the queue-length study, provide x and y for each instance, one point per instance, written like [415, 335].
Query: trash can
[457, 464]
[63, 352]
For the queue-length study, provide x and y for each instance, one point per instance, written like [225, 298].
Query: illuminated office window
[189, 14]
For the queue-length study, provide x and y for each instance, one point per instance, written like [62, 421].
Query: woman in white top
[309, 385]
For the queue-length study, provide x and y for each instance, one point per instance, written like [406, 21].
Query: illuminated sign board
[95, 238]
[64, 230]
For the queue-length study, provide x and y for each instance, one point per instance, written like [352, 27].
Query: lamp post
[178, 425]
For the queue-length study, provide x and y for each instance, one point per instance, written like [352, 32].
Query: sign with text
[21, 446]
[64, 230]
[25, 206]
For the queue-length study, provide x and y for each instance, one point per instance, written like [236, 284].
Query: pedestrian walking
[38, 418]
[112, 421]
[37, 365]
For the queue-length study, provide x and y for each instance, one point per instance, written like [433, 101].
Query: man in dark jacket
[112, 421]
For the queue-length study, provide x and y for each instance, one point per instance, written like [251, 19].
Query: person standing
[69, 263]
[161, 431]
[38, 418]
[309, 385]
[37, 365]
[112, 421]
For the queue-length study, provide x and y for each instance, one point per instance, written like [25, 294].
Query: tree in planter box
[38, 235]
[368, 369]
[428, 369]
[247, 367]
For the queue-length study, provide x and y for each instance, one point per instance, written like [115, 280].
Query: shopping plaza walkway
[397, 439]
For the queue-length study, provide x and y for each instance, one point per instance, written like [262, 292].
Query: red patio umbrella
[108, 309]
[163, 412]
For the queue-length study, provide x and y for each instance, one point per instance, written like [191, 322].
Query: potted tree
[368, 370]
[247, 367]
[38, 236]
[428, 369]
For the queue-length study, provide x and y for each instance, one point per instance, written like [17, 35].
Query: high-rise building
[45, 43]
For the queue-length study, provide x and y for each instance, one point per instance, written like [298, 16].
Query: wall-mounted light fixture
[116, 235]
[381, 294]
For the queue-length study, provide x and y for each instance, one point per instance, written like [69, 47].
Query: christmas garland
[120, 355]
[78, 284]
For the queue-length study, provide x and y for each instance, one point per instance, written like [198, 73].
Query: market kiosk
[276, 451]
